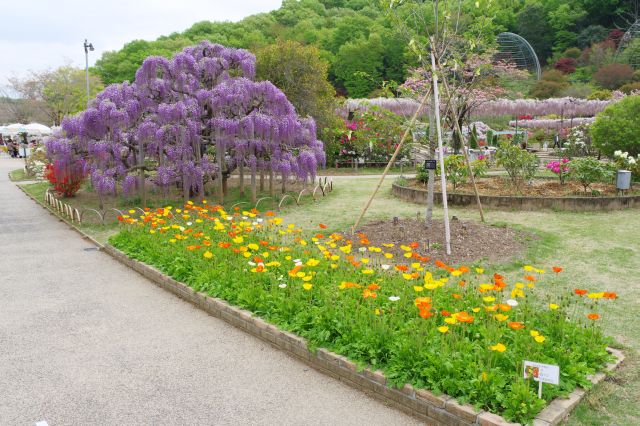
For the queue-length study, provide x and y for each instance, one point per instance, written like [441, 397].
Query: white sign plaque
[543, 373]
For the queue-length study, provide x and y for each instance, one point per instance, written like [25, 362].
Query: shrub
[551, 85]
[559, 168]
[617, 128]
[624, 161]
[613, 76]
[636, 76]
[455, 170]
[590, 35]
[600, 95]
[566, 65]
[588, 170]
[520, 165]
[630, 88]
[572, 52]
[66, 181]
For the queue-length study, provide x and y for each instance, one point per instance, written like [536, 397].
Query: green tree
[533, 25]
[617, 128]
[59, 92]
[300, 73]
[358, 65]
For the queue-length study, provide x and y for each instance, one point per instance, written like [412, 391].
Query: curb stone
[420, 403]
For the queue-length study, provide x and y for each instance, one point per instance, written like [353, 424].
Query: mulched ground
[470, 241]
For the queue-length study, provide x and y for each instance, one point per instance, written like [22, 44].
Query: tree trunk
[220, 161]
[141, 177]
[272, 178]
[254, 188]
[261, 180]
[284, 185]
[241, 171]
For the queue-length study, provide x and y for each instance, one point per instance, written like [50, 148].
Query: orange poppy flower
[456, 296]
[402, 268]
[593, 317]
[580, 292]
[425, 313]
[557, 269]
[373, 287]
[369, 294]
[424, 259]
[322, 226]
[319, 236]
[464, 317]
[462, 283]
[610, 295]
[224, 245]
[440, 264]
[504, 307]
[463, 269]
[445, 313]
[423, 302]
[530, 278]
[516, 325]
[414, 245]
[269, 214]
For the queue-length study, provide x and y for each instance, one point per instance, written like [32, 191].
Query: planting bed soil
[470, 241]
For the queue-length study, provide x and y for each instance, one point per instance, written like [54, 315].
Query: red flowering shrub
[66, 181]
[566, 65]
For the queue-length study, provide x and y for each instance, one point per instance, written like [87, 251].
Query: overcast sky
[44, 34]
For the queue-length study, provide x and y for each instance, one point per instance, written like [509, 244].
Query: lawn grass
[19, 175]
[599, 251]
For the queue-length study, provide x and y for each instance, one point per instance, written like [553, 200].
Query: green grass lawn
[599, 251]
[19, 175]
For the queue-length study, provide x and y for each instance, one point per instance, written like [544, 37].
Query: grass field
[599, 251]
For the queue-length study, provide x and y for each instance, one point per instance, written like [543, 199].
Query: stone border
[422, 404]
[574, 204]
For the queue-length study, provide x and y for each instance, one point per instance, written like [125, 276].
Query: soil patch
[470, 241]
[501, 186]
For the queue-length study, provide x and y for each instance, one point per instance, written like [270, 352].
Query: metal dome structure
[632, 36]
[513, 48]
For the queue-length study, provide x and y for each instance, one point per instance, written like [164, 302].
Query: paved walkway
[86, 341]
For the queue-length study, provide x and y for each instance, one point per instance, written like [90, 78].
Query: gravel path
[86, 341]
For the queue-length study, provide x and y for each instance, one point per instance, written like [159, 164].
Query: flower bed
[462, 331]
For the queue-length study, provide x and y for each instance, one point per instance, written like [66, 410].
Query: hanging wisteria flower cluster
[185, 120]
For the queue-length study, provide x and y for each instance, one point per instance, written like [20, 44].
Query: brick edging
[422, 404]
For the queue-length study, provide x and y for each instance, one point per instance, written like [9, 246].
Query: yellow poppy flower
[498, 348]
[540, 339]
[208, 255]
[417, 288]
[443, 329]
[501, 317]
[553, 306]
[450, 320]
[307, 286]
[534, 333]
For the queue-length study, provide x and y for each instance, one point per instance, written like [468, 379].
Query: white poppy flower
[283, 285]
[512, 302]
[394, 298]
[385, 267]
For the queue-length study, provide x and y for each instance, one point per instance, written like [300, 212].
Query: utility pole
[87, 47]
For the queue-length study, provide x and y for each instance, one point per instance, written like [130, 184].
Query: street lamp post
[87, 47]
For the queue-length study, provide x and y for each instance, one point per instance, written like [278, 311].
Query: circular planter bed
[544, 194]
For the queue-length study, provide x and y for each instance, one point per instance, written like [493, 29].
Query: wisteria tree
[186, 121]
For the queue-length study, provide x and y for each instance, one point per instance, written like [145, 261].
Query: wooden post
[443, 180]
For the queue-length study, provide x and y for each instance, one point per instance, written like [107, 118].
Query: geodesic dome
[514, 49]
[631, 37]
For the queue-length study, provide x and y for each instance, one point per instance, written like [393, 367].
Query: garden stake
[443, 180]
[393, 159]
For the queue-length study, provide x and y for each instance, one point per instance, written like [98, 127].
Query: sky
[45, 34]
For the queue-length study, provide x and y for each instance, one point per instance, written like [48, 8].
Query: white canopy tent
[31, 129]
